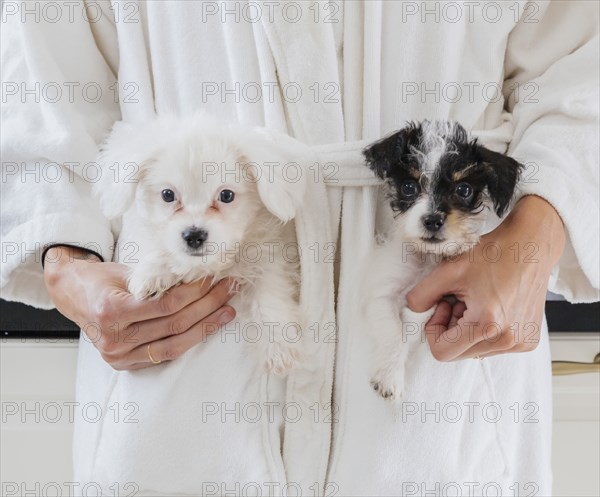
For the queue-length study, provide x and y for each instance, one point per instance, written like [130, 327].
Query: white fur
[436, 140]
[397, 265]
[197, 158]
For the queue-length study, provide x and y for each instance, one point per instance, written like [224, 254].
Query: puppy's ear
[125, 153]
[275, 163]
[383, 155]
[503, 172]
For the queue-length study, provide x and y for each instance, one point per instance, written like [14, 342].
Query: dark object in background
[23, 321]
[563, 316]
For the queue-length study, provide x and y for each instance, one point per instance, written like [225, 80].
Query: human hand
[500, 285]
[94, 295]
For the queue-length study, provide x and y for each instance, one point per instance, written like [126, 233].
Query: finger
[483, 355]
[514, 350]
[438, 323]
[505, 344]
[171, 302]
[183, 320]
[441, 281]
[458, 311]
[494, 340]
[491, 354]
[480, 351]
[457, 339]
[170, 348]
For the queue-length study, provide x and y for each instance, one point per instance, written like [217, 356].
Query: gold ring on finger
[152, 360]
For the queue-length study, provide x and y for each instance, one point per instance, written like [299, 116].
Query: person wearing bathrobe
[334, 76]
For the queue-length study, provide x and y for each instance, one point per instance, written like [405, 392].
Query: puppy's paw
[387, 385]
[149, 286]
[282, 357]
[417, 318]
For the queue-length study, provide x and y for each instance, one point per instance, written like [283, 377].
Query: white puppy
[200, 199]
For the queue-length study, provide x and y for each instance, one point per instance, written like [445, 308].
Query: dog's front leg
[387, 279]
[149, 278]
[390, 347]
[279, 317]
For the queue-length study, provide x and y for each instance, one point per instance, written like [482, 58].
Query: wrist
[61, 253]
[534, 220]
[59, 259]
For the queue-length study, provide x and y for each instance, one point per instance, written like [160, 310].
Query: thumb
[443, 280]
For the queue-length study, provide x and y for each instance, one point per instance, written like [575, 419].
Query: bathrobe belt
[342, 164]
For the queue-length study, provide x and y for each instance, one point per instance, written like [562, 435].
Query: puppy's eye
[226, 196]
[168, 195]
[464, 190]
[409, 188]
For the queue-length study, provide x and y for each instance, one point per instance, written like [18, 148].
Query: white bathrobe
[523, 77]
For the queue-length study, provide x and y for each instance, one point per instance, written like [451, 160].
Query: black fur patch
[400, 158]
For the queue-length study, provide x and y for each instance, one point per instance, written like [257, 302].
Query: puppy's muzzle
[433, 222]
[194, 237]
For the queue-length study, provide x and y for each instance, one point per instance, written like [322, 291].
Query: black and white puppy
[442, 185]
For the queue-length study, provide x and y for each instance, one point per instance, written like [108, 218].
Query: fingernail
[226, 316]
[236, 286]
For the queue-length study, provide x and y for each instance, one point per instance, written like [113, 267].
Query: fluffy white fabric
[374, 60]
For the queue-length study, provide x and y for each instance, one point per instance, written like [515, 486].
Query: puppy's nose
[433, 222]
[194, 237]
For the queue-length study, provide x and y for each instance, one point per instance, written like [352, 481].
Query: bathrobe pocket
[206, 423]
[440, 438]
